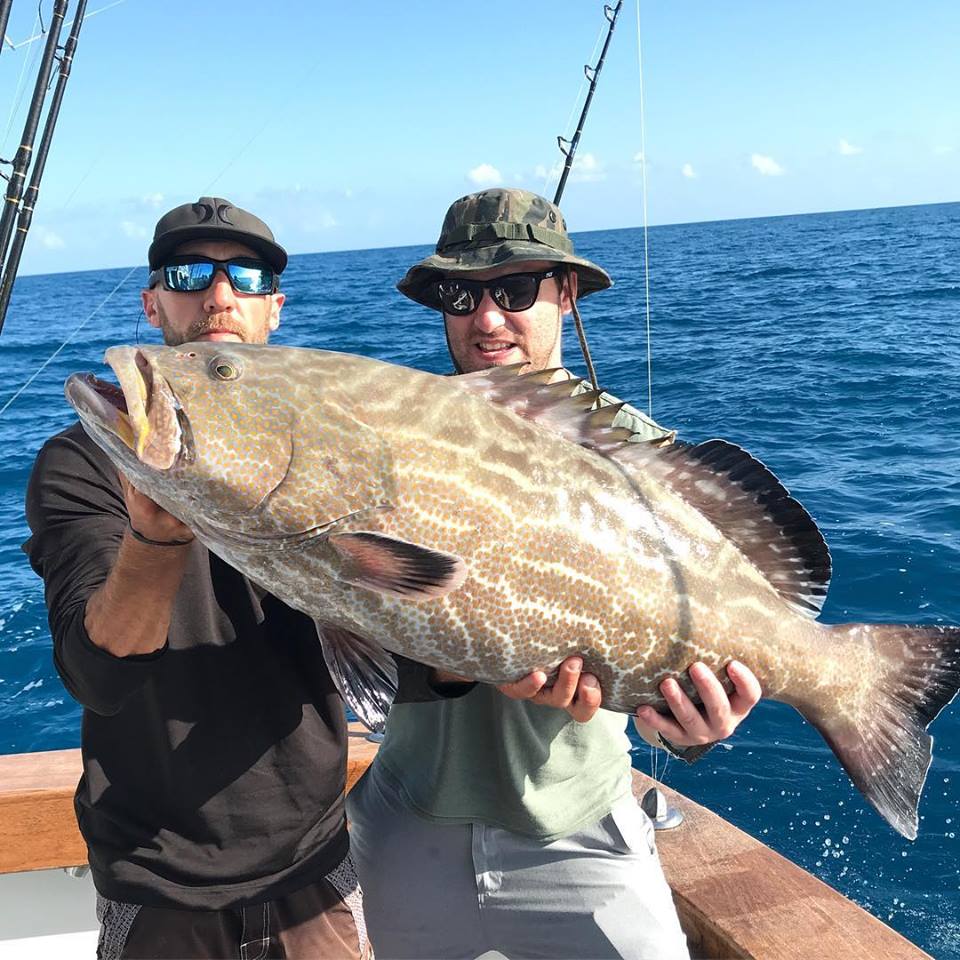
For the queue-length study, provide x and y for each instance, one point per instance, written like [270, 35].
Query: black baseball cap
[213, 218]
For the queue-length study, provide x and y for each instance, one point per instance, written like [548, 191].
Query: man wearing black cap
[488, 823]
[213, 738]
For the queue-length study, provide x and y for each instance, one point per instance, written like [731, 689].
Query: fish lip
[135, 412]
[102, 402]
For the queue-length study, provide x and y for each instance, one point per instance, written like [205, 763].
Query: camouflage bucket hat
[496, 228]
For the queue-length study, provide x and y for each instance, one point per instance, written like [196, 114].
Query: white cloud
[942, 151]
[153, 200]
[134, 230]
[688, 171]
[848, 149]
[486, 175]
[638, 157]
[587, 168]
[50, 239]
[767, 166]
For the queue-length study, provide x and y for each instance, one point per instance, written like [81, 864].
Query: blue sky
[350, 126]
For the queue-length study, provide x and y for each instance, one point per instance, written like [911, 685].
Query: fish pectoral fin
[397, 568]
[364, 673]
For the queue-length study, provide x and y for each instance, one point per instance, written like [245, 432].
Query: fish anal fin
[397, 568]
[363, 672]
[744, 500]
[885, 747]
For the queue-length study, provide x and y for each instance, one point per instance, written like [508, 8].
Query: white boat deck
[47, 915]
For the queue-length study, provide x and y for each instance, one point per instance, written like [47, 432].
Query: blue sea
[828, 345]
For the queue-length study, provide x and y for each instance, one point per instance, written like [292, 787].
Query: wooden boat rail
[736, 897]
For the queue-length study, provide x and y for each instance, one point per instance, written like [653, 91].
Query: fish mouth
[142, 413]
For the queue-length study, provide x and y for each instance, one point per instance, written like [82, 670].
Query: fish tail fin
[883, 745]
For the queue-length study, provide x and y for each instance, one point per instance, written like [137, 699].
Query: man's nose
[488, 316]
[219, 295]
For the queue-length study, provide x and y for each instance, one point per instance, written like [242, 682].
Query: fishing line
[654, 752]
[271, 121]
[69, 339]
[646, 246]
[83, 179]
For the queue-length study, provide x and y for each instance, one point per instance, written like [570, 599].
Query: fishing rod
[21, 161]
[569, 148]
[29, 201]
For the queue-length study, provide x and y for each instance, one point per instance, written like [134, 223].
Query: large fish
[493, 524]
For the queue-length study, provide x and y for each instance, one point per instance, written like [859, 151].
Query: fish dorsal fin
[553, 399]
[733, 490]
[744, 500]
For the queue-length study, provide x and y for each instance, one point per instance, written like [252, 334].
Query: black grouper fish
[495, 523]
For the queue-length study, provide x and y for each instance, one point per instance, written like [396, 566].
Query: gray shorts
[459, 890]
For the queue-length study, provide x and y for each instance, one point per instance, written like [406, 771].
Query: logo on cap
[203, 211]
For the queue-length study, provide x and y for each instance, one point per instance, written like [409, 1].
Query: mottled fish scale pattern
[567, 552]
[422, 514]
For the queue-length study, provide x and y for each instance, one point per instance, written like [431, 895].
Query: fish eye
[223, 369]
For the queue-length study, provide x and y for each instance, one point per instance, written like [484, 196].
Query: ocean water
[827, 345]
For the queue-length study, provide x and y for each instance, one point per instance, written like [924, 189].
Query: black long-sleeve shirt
[214, 768]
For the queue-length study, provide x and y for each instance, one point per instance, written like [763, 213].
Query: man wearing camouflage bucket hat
[487, 822]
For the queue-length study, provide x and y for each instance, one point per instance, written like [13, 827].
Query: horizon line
[573, 233]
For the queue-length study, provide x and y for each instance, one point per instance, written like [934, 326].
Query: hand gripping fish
[496, 523]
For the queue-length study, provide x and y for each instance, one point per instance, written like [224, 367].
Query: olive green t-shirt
[507, 763]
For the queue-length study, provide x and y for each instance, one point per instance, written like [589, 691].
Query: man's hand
[574, 691]
[149, 519]
[716, 720]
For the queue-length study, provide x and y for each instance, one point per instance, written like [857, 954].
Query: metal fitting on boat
[656, 807]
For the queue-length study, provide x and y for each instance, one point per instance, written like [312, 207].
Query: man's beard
[207, 324]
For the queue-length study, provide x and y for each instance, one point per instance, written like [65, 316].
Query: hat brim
[419, 282]
[161, 248]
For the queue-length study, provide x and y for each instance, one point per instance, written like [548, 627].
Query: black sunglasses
[513, 292]
[189, 274]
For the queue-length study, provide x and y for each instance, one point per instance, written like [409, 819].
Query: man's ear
[569, 292]
[278, 300]
[149, 300]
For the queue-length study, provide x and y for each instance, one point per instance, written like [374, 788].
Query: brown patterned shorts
[324, 920]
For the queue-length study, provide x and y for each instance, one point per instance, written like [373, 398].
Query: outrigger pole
[30, 197]
[21, 161]
[568, 148]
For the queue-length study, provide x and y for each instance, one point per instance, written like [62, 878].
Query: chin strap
[578, 323]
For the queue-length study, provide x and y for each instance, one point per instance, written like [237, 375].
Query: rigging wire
[37, 36]
[21, 89]
[646, 244]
